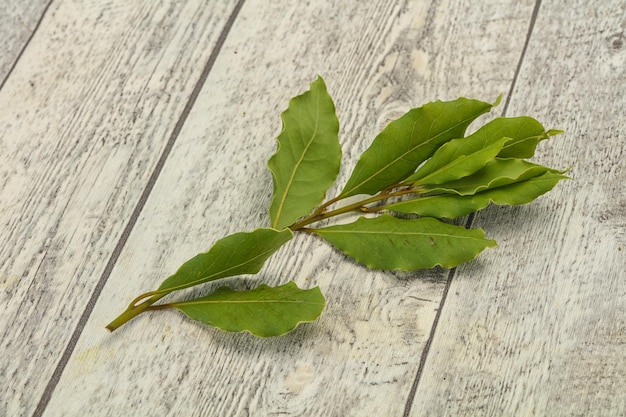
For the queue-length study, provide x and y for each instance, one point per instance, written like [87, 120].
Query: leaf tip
[554, 132]
[566, 171]
[319, 81]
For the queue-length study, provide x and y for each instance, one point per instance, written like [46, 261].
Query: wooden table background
[133, 134]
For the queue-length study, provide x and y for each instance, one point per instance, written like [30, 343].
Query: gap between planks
[32, 34]
[468, 224]
[58, 371]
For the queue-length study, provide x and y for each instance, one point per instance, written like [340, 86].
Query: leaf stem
[135, 309]
[322, 209]
[361, 206]
[145, 296]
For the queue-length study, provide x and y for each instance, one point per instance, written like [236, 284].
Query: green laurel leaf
[455, 160]
[237, 254]
[386, 242]
[263, 311]
[451, 206]
[525, 133]
[462, 157]
[308, 157]
[496, 173]
[407, 142]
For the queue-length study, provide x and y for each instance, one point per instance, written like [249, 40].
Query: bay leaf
[308, 157]
[451, 206]
[496, 173]
[263, 311]
[237, 254]
[456, 159]
[464, 156]
[525, 133]
[386, 242]
[408, 141]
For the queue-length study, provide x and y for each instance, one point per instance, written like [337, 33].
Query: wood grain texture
[83, 121]
[360, 358]
[18, 20]
[538, 327]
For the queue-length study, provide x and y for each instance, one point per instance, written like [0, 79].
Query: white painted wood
[360, 358]
[18, 20]
[83, 119]
[538, 326]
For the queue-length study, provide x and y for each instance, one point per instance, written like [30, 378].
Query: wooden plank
[84, 119]
[378, 58]
[538, 326]
[18, 20]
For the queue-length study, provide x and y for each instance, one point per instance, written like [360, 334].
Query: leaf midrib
[372, 232]
[188, 303]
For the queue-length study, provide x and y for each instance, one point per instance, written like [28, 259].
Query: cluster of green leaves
[420, 164]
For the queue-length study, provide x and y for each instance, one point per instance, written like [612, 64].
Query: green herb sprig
[420, 164]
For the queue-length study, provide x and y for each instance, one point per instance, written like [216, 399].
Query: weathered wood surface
[538, 327]
[378, 59]
[78, 153]
[18, 21]
[84, 117]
